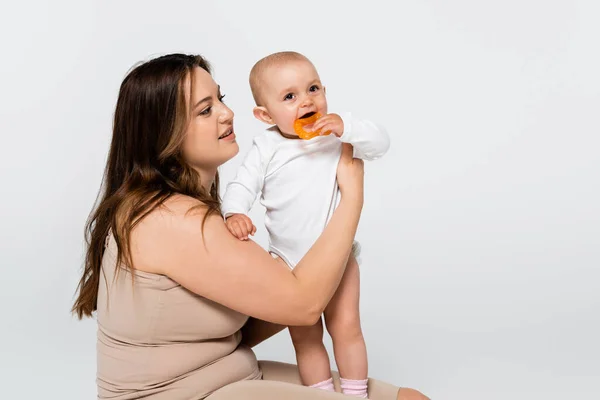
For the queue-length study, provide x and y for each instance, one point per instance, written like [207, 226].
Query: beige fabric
[282, 381]
[157, 340]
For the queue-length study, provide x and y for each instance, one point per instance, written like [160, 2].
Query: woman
[172, 288]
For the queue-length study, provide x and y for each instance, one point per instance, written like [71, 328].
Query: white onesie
[298, 182]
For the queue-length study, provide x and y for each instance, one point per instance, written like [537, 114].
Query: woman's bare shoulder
[177, 211]
[175, 223]
[181, 205]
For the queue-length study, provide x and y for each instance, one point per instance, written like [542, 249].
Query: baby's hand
[329, 122]
[240, 226]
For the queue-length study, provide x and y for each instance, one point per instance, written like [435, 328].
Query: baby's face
[291, 91]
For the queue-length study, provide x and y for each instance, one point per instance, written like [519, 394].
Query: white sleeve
[370, 140]
[242, 191]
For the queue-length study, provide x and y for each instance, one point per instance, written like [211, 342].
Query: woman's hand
[350, 174]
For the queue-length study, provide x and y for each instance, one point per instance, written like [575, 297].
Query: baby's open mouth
[308, 115]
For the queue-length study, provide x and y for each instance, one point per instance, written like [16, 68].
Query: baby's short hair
[262, 65]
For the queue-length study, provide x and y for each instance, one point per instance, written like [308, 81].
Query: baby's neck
[287, 135]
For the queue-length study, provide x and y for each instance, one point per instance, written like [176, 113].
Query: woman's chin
[232, 151]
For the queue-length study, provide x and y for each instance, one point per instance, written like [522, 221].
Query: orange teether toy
[300, 123]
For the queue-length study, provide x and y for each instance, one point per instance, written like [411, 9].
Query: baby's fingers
[326, 128]
[247, 223]
[319, 124]
[237, 230]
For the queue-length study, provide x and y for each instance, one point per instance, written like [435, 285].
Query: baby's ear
[262, 114]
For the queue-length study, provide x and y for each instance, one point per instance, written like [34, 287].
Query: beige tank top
[157, 340]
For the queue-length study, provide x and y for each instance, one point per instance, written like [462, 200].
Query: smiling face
[290, 91]
[209, 138]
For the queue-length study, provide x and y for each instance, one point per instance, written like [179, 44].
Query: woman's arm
[241, 275]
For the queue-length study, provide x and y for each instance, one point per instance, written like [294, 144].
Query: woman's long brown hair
[145, 165]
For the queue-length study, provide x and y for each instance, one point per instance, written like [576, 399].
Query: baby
[297, 179]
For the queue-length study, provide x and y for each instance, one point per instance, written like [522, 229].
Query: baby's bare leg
[311, 355]
[342, 318]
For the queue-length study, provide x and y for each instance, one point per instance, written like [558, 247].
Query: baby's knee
[344, 327]
[307, 334]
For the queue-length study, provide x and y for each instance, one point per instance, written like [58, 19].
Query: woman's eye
[206, 111]
[221, 97]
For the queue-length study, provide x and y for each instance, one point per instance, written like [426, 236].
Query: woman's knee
[410, 394]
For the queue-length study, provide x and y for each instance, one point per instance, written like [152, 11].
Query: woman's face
[209, 140]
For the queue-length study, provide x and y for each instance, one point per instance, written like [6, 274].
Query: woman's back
[157, 340]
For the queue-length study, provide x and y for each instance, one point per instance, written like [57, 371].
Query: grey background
[480, 231]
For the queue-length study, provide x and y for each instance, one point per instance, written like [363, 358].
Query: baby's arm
[241, 193]
[370, 140]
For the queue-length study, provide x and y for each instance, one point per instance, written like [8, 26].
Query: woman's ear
[262, 114]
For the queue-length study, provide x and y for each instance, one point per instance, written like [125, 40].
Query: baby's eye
[288, 96]
[314, 88]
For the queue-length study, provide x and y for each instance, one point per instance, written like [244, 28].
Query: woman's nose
[226, 115]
